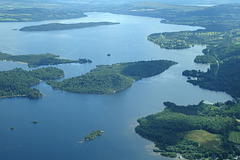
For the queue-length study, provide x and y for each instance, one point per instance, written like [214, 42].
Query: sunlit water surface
[65, 118]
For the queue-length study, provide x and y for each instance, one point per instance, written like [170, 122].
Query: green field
[234, 137]
[194, 131]
[208, 140]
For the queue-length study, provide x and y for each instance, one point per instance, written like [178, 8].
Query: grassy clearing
[234, 137]
[208, 140]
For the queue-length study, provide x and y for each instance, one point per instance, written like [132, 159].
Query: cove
[65, 118]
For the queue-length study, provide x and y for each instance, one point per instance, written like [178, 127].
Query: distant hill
[181, 2]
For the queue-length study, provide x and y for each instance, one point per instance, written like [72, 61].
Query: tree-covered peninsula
[203, 131]
[18, 82]
[35, 60]
[108, 79]
[222, 76]
[186, 39]
[221, 37]
[222, 53]
[61, 26]
[200, 131]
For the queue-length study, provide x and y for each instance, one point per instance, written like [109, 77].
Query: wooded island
[60, 26]
[93, 135]
[109, 79]
[35, 60]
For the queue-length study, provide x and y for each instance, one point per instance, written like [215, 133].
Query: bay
[65, 118]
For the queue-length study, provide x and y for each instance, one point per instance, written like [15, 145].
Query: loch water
[65, 118]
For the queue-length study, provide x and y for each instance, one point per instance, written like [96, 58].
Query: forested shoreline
[36, 60]
[202, 131]
[222, 39]
[18, 82]
[105, 79]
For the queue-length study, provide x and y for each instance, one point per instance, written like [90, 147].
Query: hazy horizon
[178, 2]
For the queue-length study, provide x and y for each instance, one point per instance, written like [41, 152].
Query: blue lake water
[65, 118]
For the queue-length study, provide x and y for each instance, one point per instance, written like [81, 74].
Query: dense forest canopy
[17, 82]
[108, 79]
[196, 131]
